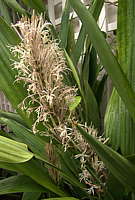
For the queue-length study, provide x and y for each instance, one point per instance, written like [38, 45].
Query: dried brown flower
[42, 67]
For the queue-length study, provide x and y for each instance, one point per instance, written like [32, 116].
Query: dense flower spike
[42, 67]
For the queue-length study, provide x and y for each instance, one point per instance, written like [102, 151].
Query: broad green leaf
[16, 6]
[31, 195]
[119, 166]
[106, 56]
[64, 25]
[119, 126]
[76, 101]
[37, 172]
[13, 152]
[38, 6]
[19, 183]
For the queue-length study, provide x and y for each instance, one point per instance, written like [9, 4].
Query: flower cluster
[41, 65]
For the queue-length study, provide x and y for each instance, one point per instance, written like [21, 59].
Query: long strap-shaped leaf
[119, 126]
[107, 58]
[90, 104]
[64, 25]
[95, 10]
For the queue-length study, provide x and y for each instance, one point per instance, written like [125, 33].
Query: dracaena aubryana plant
[42, 67]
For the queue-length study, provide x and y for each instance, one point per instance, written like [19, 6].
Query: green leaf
[79, 46]
[119, 126]
[38, 6]
[92, 68]
[19, 183]
[64, 25]
[13, 152]
[31, 195]
[74, 71]
[106, 56]
[95, 10]
[119, 166]
[13, 4]
[75, 102]
[91, 106]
